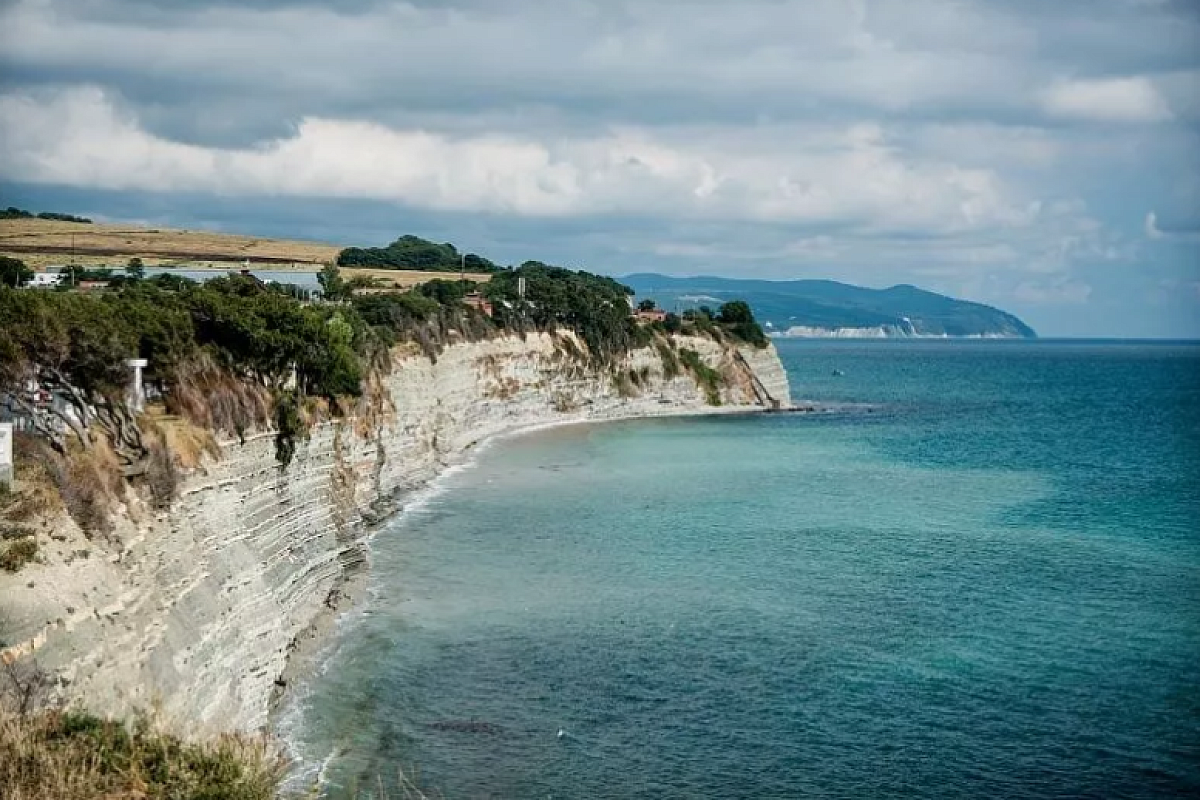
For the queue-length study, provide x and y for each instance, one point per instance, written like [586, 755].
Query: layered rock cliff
[193, 613]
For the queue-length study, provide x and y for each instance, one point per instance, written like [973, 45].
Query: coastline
[213, 611]
[321, 643]
[305, 659]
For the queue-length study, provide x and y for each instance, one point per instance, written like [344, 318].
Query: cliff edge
[194, 612]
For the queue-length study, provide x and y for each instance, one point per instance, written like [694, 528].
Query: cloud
[812, 175]
[1002, 149]
[1111, 99]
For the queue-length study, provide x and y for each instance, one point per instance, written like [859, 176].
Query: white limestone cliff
[193, 613]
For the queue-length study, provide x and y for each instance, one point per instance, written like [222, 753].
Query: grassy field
[41, 243]
[403, 279]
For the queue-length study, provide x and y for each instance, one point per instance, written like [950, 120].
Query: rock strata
[192, 613]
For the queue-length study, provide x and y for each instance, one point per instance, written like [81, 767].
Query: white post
[6, 454]
[137, 397]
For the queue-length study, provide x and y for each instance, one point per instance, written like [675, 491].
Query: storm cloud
[1042, 157]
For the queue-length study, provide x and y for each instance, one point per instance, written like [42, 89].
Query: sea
[973, 573]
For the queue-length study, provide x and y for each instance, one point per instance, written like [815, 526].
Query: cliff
[194, 612]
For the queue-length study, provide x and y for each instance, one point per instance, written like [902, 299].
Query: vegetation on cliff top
[413, 252]
[234, 354]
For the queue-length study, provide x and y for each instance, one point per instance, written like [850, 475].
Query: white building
[51, 277]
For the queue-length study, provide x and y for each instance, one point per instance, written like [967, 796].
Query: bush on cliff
[69, 755]
[594, 306]
[707, 378]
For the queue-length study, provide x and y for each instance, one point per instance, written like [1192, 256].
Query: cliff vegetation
[233, 355]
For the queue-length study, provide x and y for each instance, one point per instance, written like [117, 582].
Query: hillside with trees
[415, 253]
[234, 355]
[19, 213]
[828, 305]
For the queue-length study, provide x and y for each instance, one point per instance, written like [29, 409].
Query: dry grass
[187, 441]
[210, 398]
[34, 494]
[57, 755]
[40, 243]
[91, 485]
[51, 753]
[391, 279]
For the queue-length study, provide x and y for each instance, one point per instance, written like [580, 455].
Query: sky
[1043, 157]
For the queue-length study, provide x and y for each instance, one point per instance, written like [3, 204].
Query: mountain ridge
[822, 307]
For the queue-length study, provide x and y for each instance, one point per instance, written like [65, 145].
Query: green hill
[828, 305]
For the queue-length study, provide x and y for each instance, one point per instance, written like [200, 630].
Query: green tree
[735, 311]
[647, 305]
[135, 269]
[13, 272]
[333, 287]
[414, 253]
[447, 293]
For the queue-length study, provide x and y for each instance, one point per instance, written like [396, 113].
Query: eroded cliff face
[193, 613]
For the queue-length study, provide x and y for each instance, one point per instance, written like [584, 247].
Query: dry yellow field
[403, 279]
[41, 243]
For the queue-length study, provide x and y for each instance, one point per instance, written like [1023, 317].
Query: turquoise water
[984, 582]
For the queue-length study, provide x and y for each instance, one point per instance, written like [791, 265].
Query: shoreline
[321, 641]
[215, 611]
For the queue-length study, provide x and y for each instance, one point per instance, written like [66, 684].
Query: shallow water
[989, 584]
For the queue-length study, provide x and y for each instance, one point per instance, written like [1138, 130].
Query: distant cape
[828, 308]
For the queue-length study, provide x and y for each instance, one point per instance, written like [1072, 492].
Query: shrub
[289, 427]
[669, 360]
[18, 553]
[58, 755]
[707, 378]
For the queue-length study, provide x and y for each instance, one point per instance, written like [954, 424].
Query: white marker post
[137, 396]
[6, 456]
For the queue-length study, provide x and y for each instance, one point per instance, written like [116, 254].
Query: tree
[447, 293]
[646, 305]
[415, 253]
[736, 311]
[333, 287]
[13, 272]
[135, 269]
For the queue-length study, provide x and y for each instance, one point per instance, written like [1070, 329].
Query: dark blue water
[986, 585]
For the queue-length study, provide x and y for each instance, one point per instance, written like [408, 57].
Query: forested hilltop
[413, 252]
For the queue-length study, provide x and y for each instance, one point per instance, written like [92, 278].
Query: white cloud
[816, 175]
[874, 141]
[1133, 99]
